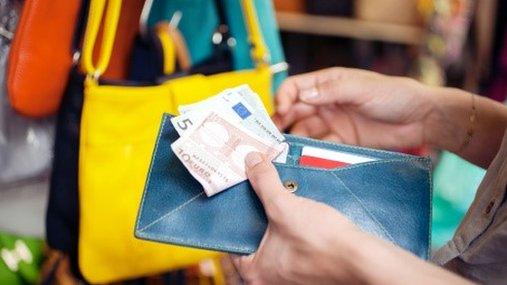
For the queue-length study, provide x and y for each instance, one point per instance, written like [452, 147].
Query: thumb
[337, 91]
[265, 181]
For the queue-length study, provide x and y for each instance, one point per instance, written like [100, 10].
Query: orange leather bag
[41, 55]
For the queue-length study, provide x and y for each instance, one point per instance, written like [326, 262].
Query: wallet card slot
[299, 142]
[297, 152]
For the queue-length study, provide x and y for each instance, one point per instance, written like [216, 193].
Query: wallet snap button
[290, 185]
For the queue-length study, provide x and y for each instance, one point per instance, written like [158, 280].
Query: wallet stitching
[150, 171]
[430, 206]
[171, 212]
[366, 209]
[206, 246]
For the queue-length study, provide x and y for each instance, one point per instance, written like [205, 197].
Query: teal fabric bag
[269, 27]
[200, 20]
[198, 23]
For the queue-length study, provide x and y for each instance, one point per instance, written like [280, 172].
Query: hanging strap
[259, 52]
[79, 30]
[174, 47]
[95, 15]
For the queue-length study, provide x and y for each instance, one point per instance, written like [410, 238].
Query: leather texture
[389, 198]
[118, 130]
[62, 214]
[41, 56]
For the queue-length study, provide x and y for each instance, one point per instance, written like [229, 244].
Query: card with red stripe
[323, 158]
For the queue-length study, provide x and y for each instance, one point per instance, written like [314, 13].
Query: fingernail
[309, 95]
[252, 159]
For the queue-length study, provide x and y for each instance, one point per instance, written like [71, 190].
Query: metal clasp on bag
[290, 185]
[94, 76]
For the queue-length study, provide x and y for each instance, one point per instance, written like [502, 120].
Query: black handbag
[147, 56]
[62, 214]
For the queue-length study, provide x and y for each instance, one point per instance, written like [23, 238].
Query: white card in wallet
[323, 158]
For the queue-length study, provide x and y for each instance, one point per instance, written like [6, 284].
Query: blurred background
[459, 43]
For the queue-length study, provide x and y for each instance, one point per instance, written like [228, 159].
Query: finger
[265, 181]
[348, 86]
[312, 126]
[278, 121]
[297, 112]
[242, 263]
[332, 138]
[286, 96]
[345, 128]
[288, 92]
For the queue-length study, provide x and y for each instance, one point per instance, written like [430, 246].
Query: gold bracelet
[471, 125]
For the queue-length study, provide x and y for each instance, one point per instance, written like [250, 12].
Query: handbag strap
[79, 30]
[95, 15]
[259, 51]
[174, 47]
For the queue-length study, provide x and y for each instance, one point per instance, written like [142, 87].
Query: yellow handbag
[118, 131]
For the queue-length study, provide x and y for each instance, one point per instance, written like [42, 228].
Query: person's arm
[370, 109]
[308, 242]
[448, 126]
[380, 262]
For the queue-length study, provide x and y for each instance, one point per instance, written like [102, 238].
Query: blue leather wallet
[389, 198]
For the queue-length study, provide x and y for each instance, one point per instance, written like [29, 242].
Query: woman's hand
[365, 108]
[356, 107]
[302, 242]
[307, 242]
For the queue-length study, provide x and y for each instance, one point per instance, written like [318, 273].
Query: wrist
[360, 260]
[445, 126]
[379, 262]
[368, 262]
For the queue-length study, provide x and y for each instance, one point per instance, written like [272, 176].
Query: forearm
[379, 262]
[448, 125]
